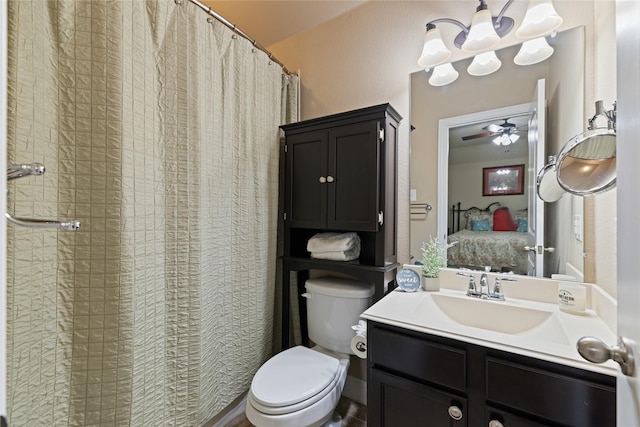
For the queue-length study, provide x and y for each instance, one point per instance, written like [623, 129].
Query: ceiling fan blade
[493, 128]
[478, 135]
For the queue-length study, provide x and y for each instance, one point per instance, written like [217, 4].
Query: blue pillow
[522, 225]
[480, 225]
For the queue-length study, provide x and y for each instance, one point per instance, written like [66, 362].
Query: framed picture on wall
[503, 180]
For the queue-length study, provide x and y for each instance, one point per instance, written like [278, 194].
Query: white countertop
[554, 339]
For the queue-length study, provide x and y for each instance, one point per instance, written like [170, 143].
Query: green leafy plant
[434, 257]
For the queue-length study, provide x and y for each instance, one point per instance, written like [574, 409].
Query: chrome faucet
[472, 291]
[497, 293]
[484, 283]
[483, 293]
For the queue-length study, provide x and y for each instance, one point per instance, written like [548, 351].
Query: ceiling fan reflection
[504, 134]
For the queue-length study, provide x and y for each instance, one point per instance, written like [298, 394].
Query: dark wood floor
[353, 415]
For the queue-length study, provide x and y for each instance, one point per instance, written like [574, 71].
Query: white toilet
[301, 387]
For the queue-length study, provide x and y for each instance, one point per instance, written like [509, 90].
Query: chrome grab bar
[19, 171]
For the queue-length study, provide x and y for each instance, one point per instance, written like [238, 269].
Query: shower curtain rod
[238, 31]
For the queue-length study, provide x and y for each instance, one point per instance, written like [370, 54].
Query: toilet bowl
[298, 387]
[301, 387]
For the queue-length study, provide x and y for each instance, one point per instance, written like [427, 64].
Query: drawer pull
[495, 423]
[330, 178]
[322, 180]
[455, 412]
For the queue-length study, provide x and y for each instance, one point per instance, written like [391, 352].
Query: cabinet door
[498, 418]
[397, 402]
[354, 168]
[561, 398]
[306, 169]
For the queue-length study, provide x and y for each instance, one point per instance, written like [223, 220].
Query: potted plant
[434, 257]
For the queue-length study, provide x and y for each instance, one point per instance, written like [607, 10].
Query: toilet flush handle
[306, 295]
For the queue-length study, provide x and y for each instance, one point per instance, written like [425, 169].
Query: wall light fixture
[484, 34]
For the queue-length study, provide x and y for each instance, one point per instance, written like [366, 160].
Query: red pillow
[502, 220]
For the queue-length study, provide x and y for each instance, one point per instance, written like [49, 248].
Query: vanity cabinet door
[397, 402]
[563, 399]
[498, 418]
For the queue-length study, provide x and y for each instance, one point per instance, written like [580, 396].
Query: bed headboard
[457, 212]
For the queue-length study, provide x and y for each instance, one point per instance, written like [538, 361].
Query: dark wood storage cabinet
[416, 379]
[340, 175]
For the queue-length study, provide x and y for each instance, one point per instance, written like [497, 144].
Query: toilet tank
[334, 305]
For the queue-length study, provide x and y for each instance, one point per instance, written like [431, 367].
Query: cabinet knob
[330, 179]
[495, 423]
[455, 412]
[323, 180]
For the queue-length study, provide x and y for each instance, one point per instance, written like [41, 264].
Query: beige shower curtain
[159, 132]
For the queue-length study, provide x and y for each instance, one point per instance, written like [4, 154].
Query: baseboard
[228, 414]
[355, 389]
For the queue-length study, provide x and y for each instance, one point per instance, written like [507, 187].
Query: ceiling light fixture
[485, 32]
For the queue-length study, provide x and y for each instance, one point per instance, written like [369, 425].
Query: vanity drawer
[559, 398]
[424, 360]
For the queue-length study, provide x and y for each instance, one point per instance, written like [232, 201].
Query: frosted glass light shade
[482, 35]
[506, 139]
[434, 51]
[533, 51]
[443, 75]
[541, 18]
[484, 63]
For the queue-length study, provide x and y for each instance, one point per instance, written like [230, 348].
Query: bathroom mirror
[510, 85]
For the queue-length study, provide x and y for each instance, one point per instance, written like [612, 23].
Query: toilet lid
[293, 376]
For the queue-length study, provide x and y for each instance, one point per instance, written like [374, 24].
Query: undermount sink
[499, 316]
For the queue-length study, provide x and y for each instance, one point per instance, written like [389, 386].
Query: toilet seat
[292, 380]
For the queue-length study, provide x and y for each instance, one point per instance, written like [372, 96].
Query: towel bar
[19, 171]
[44, 223]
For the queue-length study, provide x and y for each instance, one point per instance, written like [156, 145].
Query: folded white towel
[337, 255]
[333, 242]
